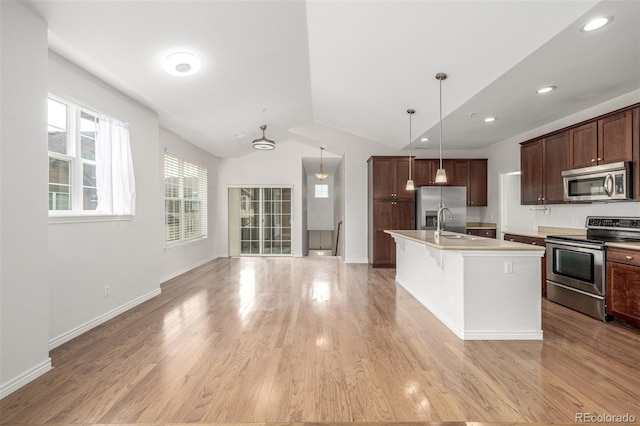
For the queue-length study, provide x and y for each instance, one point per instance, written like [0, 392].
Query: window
[185, 200]
[322, 191]
[72, 157]
[90, 163]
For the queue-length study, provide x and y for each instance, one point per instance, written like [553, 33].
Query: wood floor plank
[275, 341]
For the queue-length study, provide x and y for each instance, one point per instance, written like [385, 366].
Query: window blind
[185, 205]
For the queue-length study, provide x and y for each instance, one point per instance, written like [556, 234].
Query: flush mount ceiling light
[181, 64]
[489, 119]
[263, 143]
[441, 175]
[410, 186]
[321, 175]
[545, 90]
[424, 139]
[596, 23]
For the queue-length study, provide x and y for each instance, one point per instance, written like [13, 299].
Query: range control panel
[621, 223]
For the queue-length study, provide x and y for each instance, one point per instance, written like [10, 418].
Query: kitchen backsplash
[574, 216]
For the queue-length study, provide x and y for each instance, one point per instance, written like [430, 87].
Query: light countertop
[455, 241]
[481, 225]
[545, 231]
[624, 245]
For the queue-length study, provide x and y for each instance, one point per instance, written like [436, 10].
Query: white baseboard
[83, 328]
[186, 269]
[356, 260]
[24, 378]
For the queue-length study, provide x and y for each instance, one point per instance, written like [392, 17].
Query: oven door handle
[565, 245]
[608, 184]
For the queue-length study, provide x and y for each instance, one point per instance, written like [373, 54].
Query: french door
[265, 220]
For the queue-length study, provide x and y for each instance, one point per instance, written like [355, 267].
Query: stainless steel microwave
[607, 182]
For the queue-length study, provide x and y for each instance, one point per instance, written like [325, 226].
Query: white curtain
[115, 181]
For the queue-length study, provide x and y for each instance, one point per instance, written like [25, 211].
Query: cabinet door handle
[510, 239]
[593, 160]
[599, 158]
[534, 243]
[628, 257]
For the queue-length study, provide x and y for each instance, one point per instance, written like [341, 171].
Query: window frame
[77, 212]
[321, 190]
[183, 200]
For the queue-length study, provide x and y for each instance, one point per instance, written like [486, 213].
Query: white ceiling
[355, 66]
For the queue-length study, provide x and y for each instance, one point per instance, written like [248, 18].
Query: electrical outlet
[574, 220]
[107, 290]
[508, 267]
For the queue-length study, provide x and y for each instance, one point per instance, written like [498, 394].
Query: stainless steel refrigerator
[430, 198]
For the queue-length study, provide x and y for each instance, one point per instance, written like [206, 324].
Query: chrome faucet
[441, 210]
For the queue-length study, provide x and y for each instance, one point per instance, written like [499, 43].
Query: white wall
[320, 210]
[177, 260]
[305, 208]
[282, 166]
[24, 286]
[85, 257]
[504, 157]
[513, 215]
[338, 207]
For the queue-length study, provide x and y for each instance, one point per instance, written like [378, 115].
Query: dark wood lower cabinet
[488, 233]
[534, 241]
[388, 214]
[623, 286]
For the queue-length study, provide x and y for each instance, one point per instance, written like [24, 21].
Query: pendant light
[321, 175]
[263, 143]
[410, 186]
[441, 175]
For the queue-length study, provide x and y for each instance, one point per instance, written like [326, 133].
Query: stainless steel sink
[455, 237]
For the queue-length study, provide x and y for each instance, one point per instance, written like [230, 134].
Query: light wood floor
[290, 340]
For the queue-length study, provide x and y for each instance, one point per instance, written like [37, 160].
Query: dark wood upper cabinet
[602, 141]
[381, 171]
[422, 172]
[531, 169]
[615, 138]
[426, 169]
[556, 160]
[583, 145]
[390, 175]
[477, 183]
[461, 172]
[610, 138]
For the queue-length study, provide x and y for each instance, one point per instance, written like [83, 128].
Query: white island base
[486, 293]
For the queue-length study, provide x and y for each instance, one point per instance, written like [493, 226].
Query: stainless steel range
[576, 264]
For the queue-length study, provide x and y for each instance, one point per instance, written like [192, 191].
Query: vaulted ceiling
[355, 66]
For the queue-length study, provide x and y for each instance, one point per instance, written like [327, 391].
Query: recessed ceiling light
[424, 139]
[181, 64]
[596, 23]
[489, 119]
[545, 90]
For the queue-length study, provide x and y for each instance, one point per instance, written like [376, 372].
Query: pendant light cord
[410, 150]
[440, 123]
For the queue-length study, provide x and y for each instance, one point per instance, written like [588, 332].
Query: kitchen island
[480, 288]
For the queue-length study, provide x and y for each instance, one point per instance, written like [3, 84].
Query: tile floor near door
[315, 340]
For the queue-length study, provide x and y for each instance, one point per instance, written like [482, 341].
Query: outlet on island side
[508, 267]
[107, 290]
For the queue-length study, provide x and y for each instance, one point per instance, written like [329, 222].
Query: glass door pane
[265, 225]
